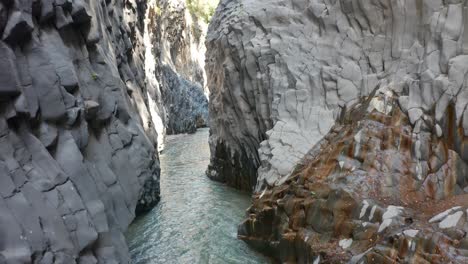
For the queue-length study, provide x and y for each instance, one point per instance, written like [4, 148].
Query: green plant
[94, 76]
[157, 10]
[202, 9]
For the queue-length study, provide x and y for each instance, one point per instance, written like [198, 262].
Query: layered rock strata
[77, 135]
[281, 72]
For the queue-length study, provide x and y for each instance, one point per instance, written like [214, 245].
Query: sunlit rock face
[77, 136]
[176, 41]
[349, 119]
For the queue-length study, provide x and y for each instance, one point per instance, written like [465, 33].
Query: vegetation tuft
[202, 9]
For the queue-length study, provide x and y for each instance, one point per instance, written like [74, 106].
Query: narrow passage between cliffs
[196, 219]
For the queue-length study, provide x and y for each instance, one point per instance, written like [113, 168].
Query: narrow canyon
[233, 131]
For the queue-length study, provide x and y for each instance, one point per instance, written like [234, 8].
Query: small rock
[439, 132]
[392, 211]
[451, 220]
[91, 109]
[444, 214]
[411, 233]
[415, 114]
[386, 223]
[346, 243]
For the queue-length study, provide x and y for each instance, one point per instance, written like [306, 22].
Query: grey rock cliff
[280, 73]
[186, 104]
[177, 42]
[78, 143]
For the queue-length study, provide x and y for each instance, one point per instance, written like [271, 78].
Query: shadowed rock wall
[77, 135]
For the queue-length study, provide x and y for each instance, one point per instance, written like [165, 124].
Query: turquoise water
[196, 219]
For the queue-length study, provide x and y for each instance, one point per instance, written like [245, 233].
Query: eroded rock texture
[77, 141]
[370, 99]
[281, 72]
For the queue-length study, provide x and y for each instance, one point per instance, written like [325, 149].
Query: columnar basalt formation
[370, 99]
[77, 137]
[281, 72]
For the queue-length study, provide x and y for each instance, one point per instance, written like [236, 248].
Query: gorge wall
[349, 119]
[281, 73]
[176, 40]
[84, 96]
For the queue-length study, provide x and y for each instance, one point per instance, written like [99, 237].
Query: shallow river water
[196, 219]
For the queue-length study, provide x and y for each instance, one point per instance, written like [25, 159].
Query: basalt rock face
[177, 42]
[186, 103]
[350, 120]
[281, 72]
[77, 140]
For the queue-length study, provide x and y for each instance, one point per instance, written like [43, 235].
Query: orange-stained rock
[372, 191]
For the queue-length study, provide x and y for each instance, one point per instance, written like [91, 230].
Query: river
[196, 219]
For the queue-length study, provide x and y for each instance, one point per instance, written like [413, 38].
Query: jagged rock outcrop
[77, 135]
[177, 42]
[371, 97]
